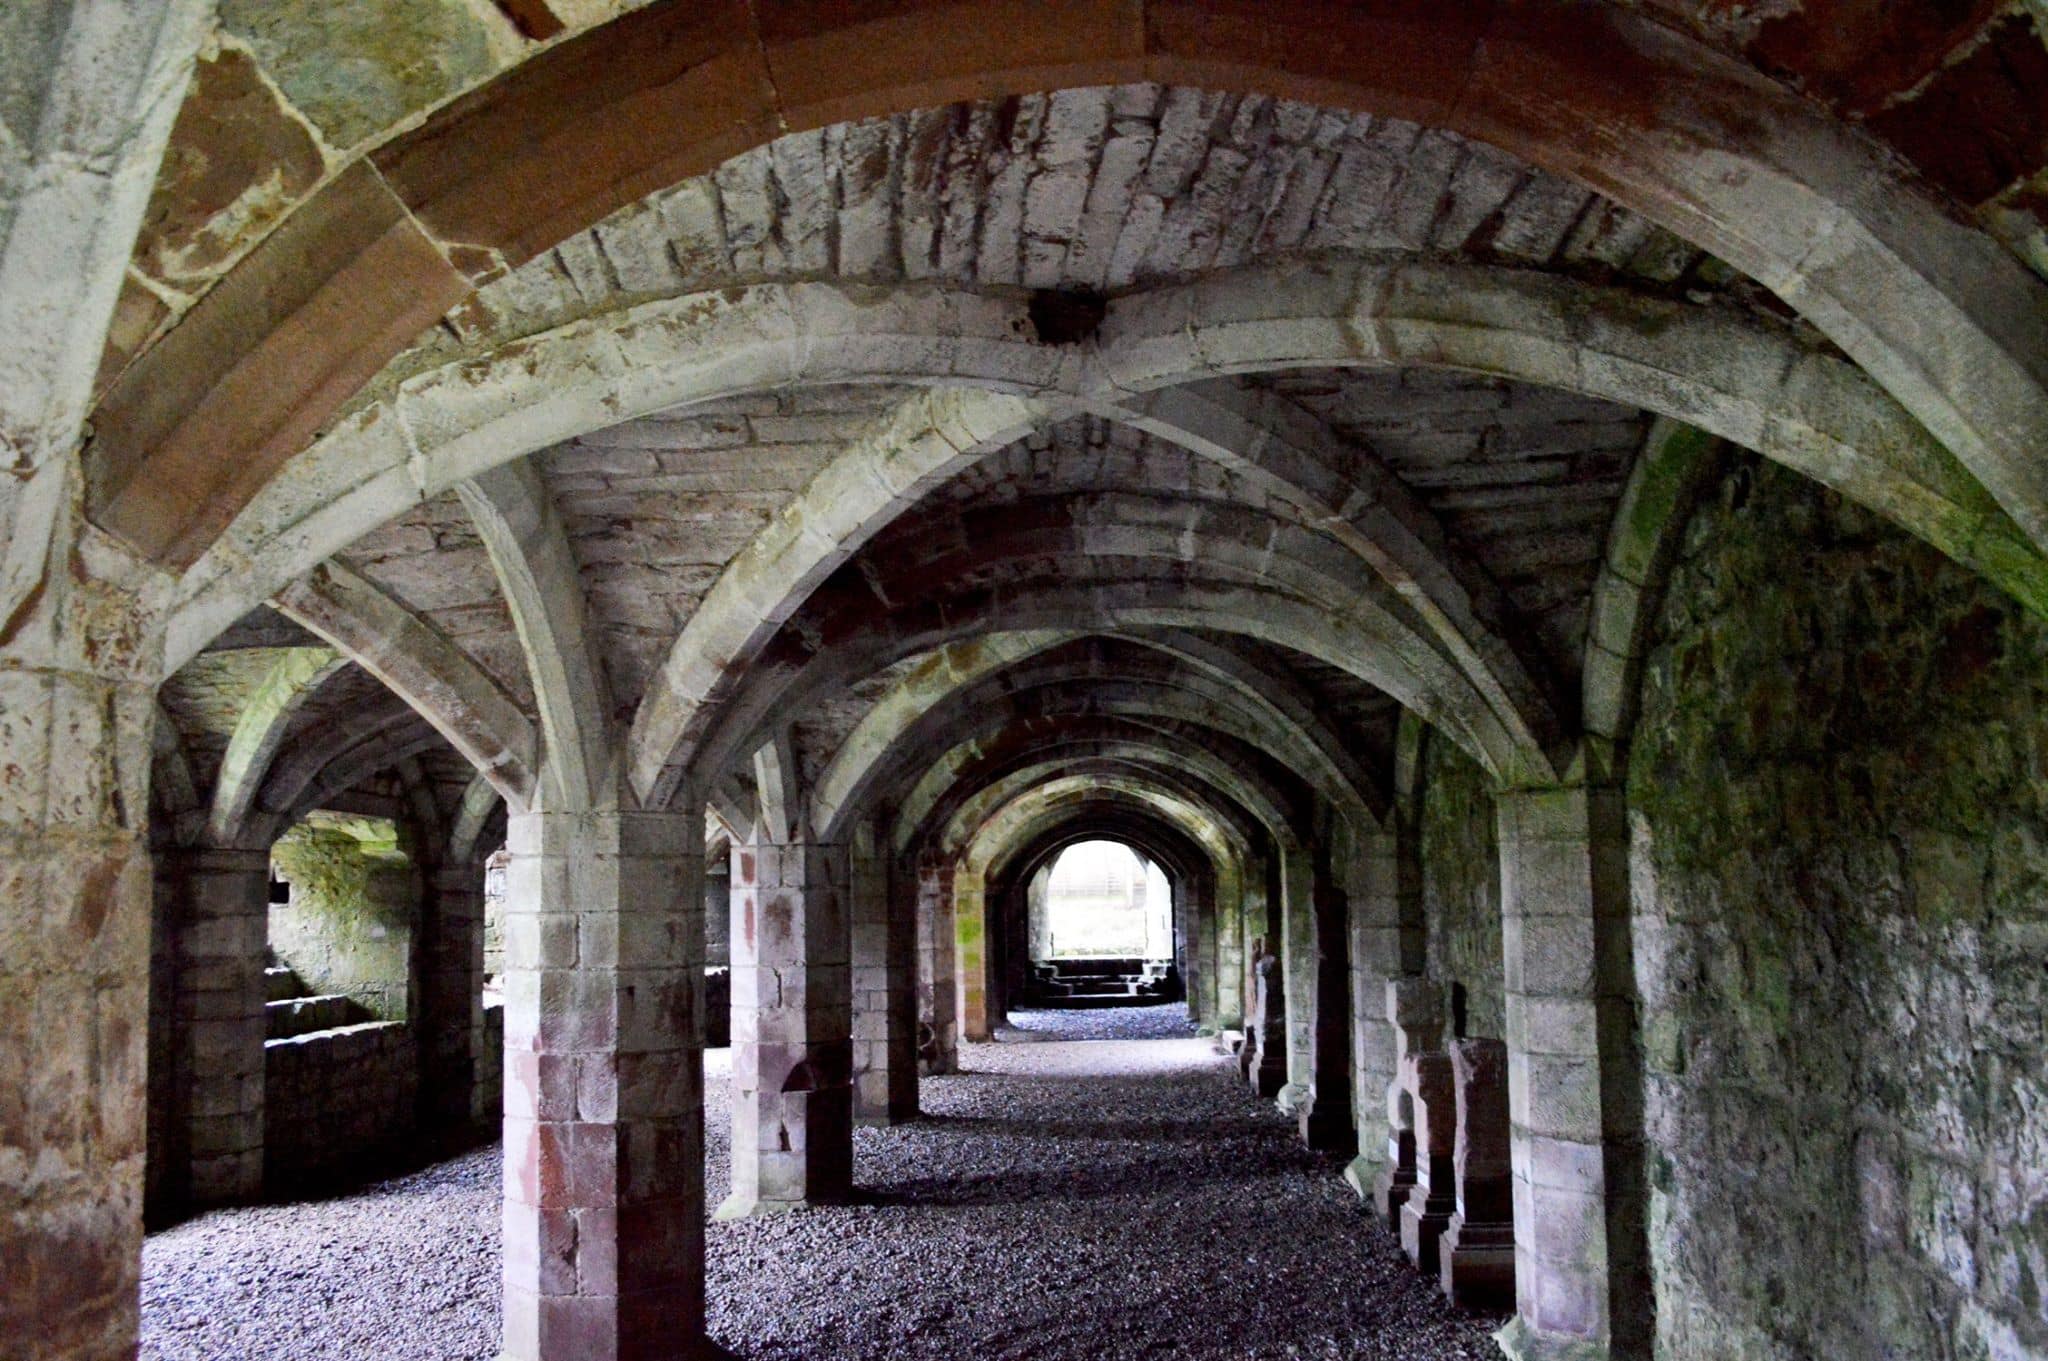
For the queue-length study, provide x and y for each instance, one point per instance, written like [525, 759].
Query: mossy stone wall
[355, 899]
[1838, 800]
[1461, 886]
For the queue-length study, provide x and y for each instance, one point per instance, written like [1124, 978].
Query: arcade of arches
[1532, 518]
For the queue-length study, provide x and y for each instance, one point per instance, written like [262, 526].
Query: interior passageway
[540, 538]
[1062, 1197]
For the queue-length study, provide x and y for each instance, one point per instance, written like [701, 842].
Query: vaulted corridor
[1064, 1197]
[1494, 552]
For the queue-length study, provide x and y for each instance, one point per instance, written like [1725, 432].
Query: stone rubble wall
[1838, 797]
[338, 1103]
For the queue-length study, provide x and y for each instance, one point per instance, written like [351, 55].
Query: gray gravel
[1100, 1023]
[1114, 1197]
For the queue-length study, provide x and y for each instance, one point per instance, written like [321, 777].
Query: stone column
[1041, 918]
[1265, 1036]
[718, 913]
[1222, 897]
[219, 938]
[1477, 1250]
[1202, 976]
[1298, 963]
[604, 1086]
[450, 1022]
[75, 906]
[1581, 1279]
[1253, 922]
[792, 1059]
[884, 994]
[1326, 1119]
[1427, 1211]
[970, 955]
[1375, 925]
[1415, 1016]
[718, 952]
[938, 1028]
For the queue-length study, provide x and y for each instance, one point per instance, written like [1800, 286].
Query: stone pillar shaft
[1264, 1062]
[970, 955]
[1298, 963]
[1564, 921]
[450, 1023]
[884, 996]
[792, 1060]
[1221, 897]
[1375, 926]
[219, 943]
[1328, 1121]
[604, 1146]
[937, 1000]
[75, 908]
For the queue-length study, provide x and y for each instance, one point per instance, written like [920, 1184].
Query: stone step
[292, 1016]
[281, 983]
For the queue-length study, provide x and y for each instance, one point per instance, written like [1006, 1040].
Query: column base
[1390, 1191]
[683, 1349]
[1423, 1221]
[1518, 1341]
[1325, 1125]
[737, 1206]
[1477, 1264]
[1361, 1174]
[1267, 1081]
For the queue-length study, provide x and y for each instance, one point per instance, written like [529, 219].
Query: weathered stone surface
[338, 1105]
[250, 357]
[217, 1104]
[354, 72]
[1836, 813]
[1477, 1250]
[604, 1159]
[238, 161]
[792, 1050]
[1461, 891]
[355, 904]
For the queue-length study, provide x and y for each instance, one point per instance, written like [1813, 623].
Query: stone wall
[164, 1172]
[1461, 886]
[494, 914]
[348, 928]
[490, 1069]
[338, 1104]
[1839, 811]
[718, 916]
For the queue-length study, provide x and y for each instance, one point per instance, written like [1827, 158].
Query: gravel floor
[1111, 1198]
[1100, 1023]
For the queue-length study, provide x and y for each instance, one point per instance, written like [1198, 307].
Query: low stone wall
[338, 1104]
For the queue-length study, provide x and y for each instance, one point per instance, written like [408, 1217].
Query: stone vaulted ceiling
[1506, 482]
